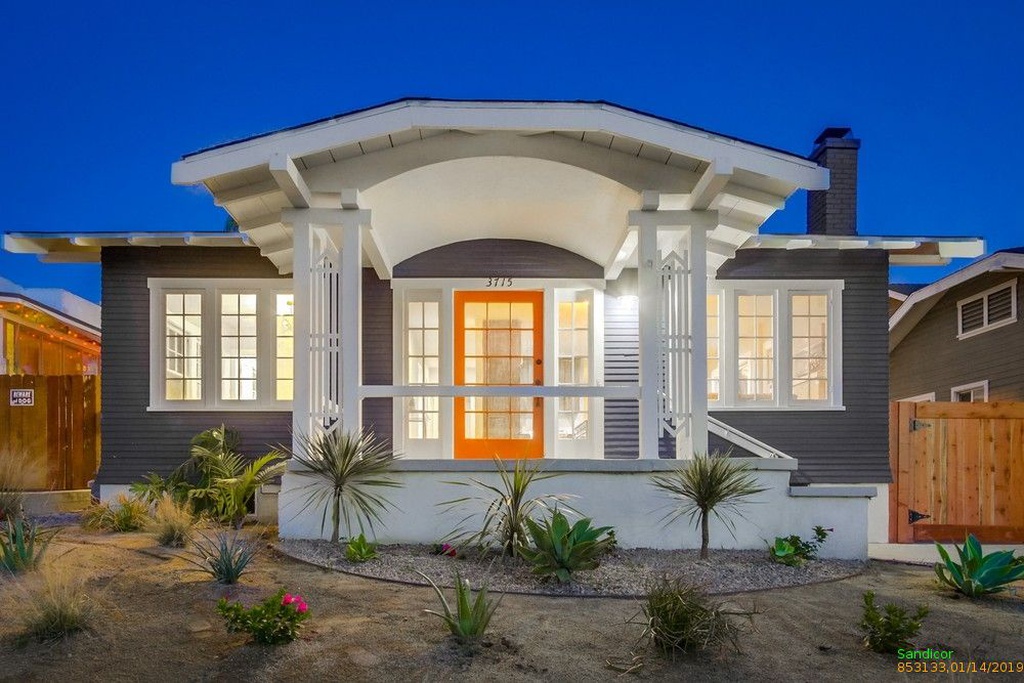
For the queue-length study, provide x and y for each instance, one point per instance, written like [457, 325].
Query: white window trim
[781, 290]
[920, 398]
[983, 385]
[211, 288]
[986, 327]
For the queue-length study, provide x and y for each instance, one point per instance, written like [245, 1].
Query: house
[47, 331]
[961, 338]
[49, 391]
[573, 281]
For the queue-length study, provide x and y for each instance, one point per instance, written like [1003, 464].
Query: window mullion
[784, 349]
[210, 347]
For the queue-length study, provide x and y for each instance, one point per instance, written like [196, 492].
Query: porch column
[673, 327]
[327, 277]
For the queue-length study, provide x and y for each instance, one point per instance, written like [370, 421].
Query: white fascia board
[930, 294]
[526, 116]
[88, 244]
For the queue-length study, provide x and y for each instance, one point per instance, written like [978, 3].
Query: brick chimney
[834, 211]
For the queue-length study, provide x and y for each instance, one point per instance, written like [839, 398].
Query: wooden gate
[957, 468]
[59, 431]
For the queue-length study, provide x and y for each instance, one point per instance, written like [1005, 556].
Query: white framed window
[775, 344]
[991, 309]
[575, 362]
[220, 344]
[920, 398]
[423, 366]
[975, 392]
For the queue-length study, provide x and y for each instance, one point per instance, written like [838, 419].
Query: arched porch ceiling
[499, 197]
[436, 172]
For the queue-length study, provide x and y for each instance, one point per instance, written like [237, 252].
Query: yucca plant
[23, 544]
[506, 507]
[172, 522]
[708, 485]
[977, 574]
[349, 468]
[471, 616]
[561, 550]
[224, 556]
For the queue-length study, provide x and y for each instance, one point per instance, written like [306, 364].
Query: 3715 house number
[499, 282]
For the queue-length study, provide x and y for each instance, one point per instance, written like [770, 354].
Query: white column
[351, 326]
[649, 287]
[698, 291]
[301, 292]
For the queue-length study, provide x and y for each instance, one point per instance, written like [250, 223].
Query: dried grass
[172, 522]
[55, 604]
[17, 472]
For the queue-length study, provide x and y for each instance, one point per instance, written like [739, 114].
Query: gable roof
[920, 301]
[61, 304]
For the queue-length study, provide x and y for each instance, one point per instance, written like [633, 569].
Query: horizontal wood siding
[498, 258]
[136, 441]
[849, 446]
[378, 351]
[931, 358]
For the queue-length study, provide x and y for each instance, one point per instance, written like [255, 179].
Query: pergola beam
[375, 251]
[290, 181]
[713, 181]
[237, 194]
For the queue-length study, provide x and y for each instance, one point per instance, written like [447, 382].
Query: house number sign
[23, 397]
[499, 282]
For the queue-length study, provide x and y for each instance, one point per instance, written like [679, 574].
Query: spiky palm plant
[708, 485]
[348, 467]
[506, 507]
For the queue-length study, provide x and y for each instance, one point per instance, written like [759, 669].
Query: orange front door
[499, 340]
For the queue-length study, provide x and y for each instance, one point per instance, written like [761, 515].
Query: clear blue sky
[99, 99]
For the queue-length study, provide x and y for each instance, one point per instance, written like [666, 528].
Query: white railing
[674, 341]
[744, 440]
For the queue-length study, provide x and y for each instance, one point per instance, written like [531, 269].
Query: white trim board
[971, 386]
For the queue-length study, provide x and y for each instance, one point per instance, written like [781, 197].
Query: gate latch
[915, 516]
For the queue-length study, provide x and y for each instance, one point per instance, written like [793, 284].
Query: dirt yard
[156, 622]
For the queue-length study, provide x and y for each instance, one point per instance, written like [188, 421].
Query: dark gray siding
[498, 258]
[136, 441]
[931, 358]
[832, 446]
[378, 350]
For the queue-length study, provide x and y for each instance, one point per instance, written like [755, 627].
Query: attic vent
[993, 308]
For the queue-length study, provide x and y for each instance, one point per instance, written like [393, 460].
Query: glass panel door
[499, 340]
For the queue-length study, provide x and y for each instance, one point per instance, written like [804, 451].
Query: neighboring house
[573, 281]
[962, 337]
[898, 293]
[47, 331]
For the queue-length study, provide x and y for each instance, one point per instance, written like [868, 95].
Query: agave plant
[506, 508]
[348, 467]
[977, 574]
[470, 617]
[709, 485]
[562, 550]
[22, 545]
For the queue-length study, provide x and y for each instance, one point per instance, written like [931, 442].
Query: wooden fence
[59, 431]
[957, 468]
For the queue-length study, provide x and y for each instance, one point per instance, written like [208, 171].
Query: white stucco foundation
[615, 493]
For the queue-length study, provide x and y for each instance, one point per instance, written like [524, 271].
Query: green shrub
[127, 513]
[708, 485]
[172, 522]
[274, 621]
[680, 618]
[977, 574]
[794, 551]
[561, 550]
[56, 606]
[890, 629]
[506, 508]
[358, 549]
[22, 544]
[471, 616]
[153, 487]
[347, 467]
[225, 556]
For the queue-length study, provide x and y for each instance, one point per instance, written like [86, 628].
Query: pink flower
[301, 609]
[287, 599]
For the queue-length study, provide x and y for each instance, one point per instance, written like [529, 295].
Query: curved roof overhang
[436, 172]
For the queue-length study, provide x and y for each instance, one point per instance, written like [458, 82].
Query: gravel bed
[623, 573]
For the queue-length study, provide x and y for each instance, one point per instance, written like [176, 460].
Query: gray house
[573, 281]
[961, 338]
